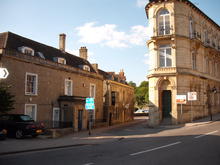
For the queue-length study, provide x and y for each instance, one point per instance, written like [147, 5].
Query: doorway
[166, 104]
[80, 119]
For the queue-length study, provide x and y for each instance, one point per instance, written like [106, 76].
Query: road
[197, 145]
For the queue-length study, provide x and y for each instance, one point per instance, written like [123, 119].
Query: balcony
[163, 31]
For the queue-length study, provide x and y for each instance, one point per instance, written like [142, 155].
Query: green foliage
[6, 99]
[133, 84]
[142, 95]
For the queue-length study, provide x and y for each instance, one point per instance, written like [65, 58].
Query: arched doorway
[165, 95]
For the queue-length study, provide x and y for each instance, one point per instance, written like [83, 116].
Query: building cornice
[152, 2]
[117, 83]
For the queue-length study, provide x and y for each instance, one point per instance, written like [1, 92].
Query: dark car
[19, 125]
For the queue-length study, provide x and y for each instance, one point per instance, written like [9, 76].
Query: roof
[11, 41]
[112, 76]
[187, 2]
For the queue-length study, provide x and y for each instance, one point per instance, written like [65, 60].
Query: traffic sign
[181, 99]
[90, 104]
[4, 73]
[192, 96]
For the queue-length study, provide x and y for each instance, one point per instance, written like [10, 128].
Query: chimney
[95, 66]
[83, 53]
[62, 42]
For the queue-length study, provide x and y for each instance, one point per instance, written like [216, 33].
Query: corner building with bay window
[185, 55]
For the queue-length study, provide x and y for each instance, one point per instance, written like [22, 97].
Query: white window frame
[86, 68]
[164, 22]
[65, 87]
[36, 84]
[35, 113]
[23, 48]
[61, 60]
[90, 90]
[165, 47]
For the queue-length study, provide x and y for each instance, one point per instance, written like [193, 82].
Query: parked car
[141, 112]
[3, 134]
[20, 125]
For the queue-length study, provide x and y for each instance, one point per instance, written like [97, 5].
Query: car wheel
[19, 134]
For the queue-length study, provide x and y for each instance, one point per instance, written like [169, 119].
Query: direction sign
[4, 73]
[90, 104]
[181, 99]
[192, 96]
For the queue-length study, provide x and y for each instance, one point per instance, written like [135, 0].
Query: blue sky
[114, 31]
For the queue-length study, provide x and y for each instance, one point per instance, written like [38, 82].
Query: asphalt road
[198, 145]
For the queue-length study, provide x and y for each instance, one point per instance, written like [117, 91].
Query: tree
[142, 94]
[133, 84]
[6, 99]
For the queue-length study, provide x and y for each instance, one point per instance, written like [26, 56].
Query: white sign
[90, 104]
[181, 99]
[192, 96]
[3, 73]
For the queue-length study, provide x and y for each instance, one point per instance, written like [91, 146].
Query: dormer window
[26, 50]
[41, 55]
[60, 60]
[86, 68]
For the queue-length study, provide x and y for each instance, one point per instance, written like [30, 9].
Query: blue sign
[90, 104]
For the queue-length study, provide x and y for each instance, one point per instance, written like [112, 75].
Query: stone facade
[185, 54]
[61, 82]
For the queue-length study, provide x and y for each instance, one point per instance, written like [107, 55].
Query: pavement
[135, 129]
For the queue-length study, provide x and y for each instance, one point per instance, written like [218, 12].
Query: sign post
[90, 106]
[181, 99]
[192, 96]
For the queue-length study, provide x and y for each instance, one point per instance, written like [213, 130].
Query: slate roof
[11, 41]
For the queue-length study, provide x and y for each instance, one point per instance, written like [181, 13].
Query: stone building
[185, 55]
[50, 84]
[118, 98]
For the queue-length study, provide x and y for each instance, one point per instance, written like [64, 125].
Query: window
[60, 60]
[92, 90]
[68, 87]
[163, 22]
[207, 65]
[191, 28]
[165, 56]
[31, 84]
[86, 68]
[41, 55]
[206, 37]
[193, 60]
[26, 50]
[113, 98]
[31, 110]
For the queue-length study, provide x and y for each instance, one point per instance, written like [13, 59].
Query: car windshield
[26, 118]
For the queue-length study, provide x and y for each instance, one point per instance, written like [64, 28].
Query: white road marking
[205, 134]
[88, 164]
[153, 149]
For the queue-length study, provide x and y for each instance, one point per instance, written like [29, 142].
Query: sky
[114, 31]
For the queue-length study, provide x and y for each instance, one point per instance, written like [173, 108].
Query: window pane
[162, 61]
[169, 62]
[168, 51]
